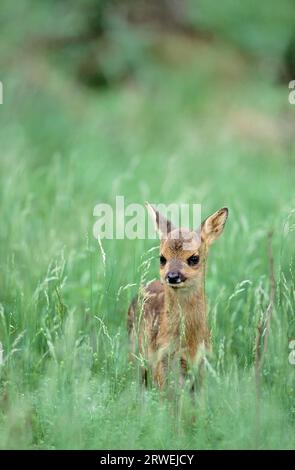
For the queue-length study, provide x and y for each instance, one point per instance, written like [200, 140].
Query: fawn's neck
[186, 313]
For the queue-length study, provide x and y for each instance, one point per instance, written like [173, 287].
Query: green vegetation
[197, 122]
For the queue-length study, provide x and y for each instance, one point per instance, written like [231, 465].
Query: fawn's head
[183, 252]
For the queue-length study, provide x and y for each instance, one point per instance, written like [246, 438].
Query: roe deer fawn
[171, 327]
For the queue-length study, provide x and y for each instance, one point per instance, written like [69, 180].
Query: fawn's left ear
[162, 225]
[213, 226]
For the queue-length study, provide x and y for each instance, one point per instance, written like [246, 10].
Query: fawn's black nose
[174, 277]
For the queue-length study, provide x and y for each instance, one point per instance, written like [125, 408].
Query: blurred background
[171, 101]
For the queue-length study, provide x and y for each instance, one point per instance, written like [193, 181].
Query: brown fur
[170, 322]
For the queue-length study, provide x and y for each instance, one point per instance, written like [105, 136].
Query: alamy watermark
[292, 93]
[1, 92]
[292, 353]
[132, 221]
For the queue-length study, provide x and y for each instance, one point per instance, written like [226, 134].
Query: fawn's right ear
[213, 226]
[162, 225]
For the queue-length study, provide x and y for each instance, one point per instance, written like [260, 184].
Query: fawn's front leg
[160, 373]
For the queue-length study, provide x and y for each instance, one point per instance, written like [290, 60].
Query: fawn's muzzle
[174, 277]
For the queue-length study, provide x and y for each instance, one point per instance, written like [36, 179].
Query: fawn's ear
[162, 225]
[213, 226]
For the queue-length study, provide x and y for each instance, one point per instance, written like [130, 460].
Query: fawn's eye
[193, 260]
[162, 260]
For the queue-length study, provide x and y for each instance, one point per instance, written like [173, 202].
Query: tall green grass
[208, 128]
